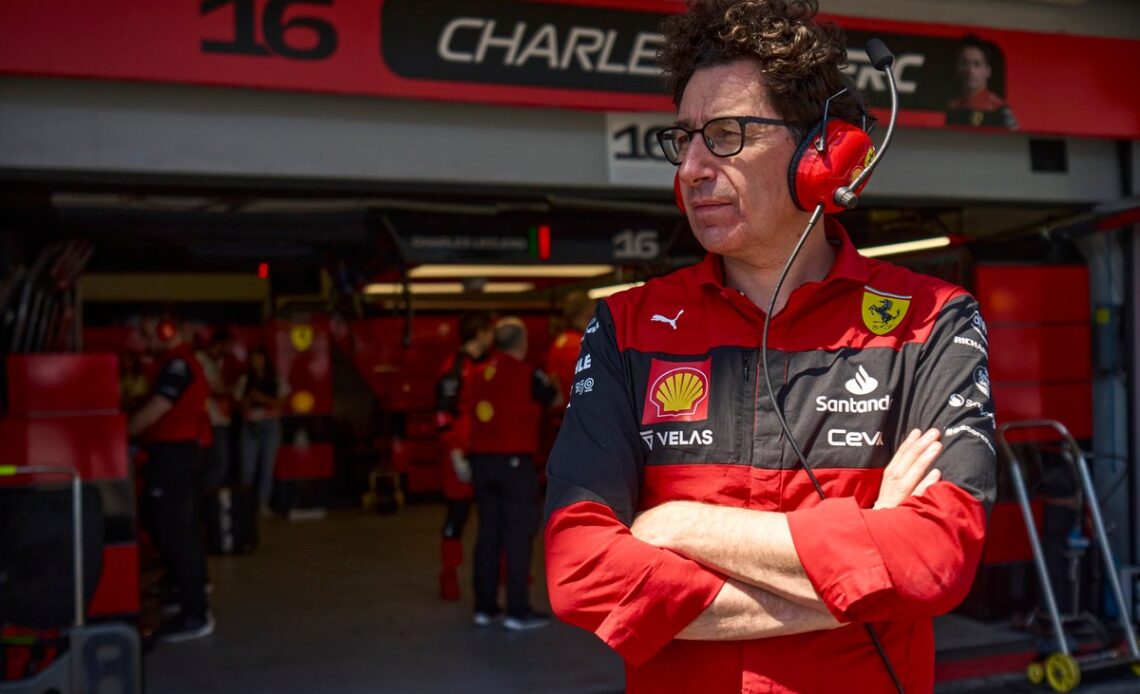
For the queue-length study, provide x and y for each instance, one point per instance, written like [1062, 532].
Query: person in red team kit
[682, 527]
[562, 360]
[505, 399]
[174, 427]
[976, 104]
[476, 334]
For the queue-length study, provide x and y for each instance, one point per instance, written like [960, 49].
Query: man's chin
[721, 240]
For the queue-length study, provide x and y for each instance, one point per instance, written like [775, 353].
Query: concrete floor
[349, 604]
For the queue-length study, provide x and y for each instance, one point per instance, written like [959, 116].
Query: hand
[461, 466]
[906, 475]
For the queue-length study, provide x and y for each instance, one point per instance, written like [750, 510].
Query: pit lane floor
[349, 603]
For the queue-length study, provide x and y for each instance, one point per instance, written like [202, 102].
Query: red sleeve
[915, 560]
[634, 596]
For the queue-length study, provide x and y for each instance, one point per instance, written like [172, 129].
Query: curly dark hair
[800, 57]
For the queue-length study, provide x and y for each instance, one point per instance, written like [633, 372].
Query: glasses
[723, 136]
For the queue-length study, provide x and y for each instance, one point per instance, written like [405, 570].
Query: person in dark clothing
[173, 426]
[262, 394]
[476, 335]
[505, 399]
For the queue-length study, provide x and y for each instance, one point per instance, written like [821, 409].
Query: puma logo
[658, 318]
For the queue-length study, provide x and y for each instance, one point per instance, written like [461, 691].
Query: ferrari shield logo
[301, 336]
[883, 312]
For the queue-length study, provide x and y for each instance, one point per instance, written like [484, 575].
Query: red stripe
[1120, 219]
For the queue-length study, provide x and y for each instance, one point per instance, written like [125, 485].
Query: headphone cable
[784, 424]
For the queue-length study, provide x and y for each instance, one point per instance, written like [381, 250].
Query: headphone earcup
[814, 176]
[677, 193]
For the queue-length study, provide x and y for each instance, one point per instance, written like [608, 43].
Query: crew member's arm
[914, 559]
[171, 382]
[756, 547]
[545, 390]
[634, 596]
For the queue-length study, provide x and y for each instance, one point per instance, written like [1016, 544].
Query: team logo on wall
[883, 312]
[301, 336]
[302, 402]
[678, 392]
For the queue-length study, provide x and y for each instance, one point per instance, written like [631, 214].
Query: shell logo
[484, 411]
[677, 392]
[680, 391]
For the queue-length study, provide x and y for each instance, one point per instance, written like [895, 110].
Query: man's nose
[697, 164]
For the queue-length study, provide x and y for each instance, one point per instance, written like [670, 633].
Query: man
[219, 405]
[976, 104]
[476, 335]
[505, 400]
[735, 576]
[562, 360]
[173, 426]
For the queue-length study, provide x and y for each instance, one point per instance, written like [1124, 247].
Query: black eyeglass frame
[742, 121]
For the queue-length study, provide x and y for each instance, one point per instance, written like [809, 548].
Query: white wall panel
[78, 126]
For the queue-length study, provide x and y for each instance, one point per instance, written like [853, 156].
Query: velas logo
[677, 392]
[883, 312]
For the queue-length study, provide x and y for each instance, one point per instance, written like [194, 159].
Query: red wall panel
[1069, 403]
[1032, 293]
[1040, 352]
[72, 383]
[95, 445]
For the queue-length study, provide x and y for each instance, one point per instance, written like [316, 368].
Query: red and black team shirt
[505, 398]
[672, 405]
[182, 381]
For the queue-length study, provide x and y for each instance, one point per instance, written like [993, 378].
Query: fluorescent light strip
[507, 287]
[391, 288]
[433, 271]
[906, 247]
[603, 292]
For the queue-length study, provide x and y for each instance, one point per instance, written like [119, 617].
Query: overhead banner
[588, 54]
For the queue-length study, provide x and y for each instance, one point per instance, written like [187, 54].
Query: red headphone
[819, 168]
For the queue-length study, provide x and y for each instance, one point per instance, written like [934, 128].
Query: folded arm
[757, 547]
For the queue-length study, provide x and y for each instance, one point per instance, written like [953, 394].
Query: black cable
[784, 424]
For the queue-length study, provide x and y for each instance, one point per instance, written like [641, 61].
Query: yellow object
[678, 392]
[883, 312]
[484, 411]
[301, 336]
[303, 402]
[1062, 672]
[1035, 673]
